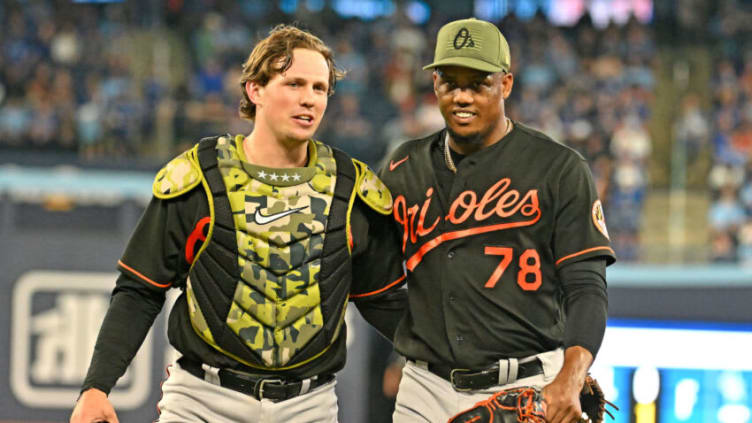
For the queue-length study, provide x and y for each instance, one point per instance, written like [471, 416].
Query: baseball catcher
[268, 236]
[527, 405]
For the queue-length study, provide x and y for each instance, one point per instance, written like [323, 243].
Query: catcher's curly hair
[273, 55]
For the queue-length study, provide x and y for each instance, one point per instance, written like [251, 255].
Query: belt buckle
[261, 384]
[454, 385]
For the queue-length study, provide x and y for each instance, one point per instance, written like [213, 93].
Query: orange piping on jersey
[583, 252]
[415, 259]
[368, 294]
[140, 275]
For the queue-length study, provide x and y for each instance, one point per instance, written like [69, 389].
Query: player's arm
[562, 395]
[131, 313]
[585, 302]
[582, 251]
[378, 277]
[153, 260]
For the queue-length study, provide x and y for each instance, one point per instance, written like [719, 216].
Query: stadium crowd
[728, 127]
[143, 81]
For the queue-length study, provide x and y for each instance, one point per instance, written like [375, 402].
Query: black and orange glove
[593, 402]
[518, 405]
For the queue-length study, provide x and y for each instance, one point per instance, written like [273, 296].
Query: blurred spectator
[730, 178]
[65, 45]
[727, 213]
[15, 121]
[209, 79]
[626, 201]
[723, 152]
[353, 132]
[744, 249]
[354, 63]
[723, 247]
[692, 128]
[631, 141]
[741, 139]
[725, 176]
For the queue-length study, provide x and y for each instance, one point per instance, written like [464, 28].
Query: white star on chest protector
[273, 177]
[285, 177]
[262, 174]
[296, 177]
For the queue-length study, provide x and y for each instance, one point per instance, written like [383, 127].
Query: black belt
[469, 380]
[258, 387]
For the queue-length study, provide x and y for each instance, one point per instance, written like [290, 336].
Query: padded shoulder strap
[339, 213]
[371, 190]
[178, 176]
[220, 204]
[220, 244]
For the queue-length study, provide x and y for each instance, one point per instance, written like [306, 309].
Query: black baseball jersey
[159, 255]
[482, 246]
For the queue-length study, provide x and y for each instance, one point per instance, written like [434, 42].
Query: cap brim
[466, 62]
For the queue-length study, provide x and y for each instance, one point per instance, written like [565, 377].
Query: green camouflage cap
[471, 43]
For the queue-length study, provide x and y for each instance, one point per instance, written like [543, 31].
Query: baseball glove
[593, 402]
[526, 405]
[519, 405]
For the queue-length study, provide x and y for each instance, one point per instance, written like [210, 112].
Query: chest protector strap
[217, 264]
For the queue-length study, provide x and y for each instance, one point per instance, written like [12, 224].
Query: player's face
[290, 106]
[472, 103]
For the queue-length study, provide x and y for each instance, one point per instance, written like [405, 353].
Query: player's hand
[93, 407]
[562, 398]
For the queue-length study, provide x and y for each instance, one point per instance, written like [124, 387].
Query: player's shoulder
[370, 189]
[366, 183]
[414, 146]
[546, 144]
[183, 172]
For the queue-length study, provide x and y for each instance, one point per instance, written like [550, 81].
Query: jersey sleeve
[131, 313]
[166, 239]
[377, 262]
[580, 230]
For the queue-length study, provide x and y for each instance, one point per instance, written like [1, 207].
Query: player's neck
[502, 129]
[264, 149]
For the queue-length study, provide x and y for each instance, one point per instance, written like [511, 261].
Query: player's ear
[507, 81]
[435, 76]
[254, 91]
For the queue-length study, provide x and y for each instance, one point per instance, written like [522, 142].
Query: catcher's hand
[518, 405]
[593, 402]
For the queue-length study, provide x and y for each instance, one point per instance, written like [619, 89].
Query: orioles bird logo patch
[463, 39]
[599, 219]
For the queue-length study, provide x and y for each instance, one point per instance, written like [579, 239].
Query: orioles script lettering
[498, 200]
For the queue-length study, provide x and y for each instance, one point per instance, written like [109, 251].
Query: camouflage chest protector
[270, 285]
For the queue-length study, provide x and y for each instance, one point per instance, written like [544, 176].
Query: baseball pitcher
[505, 244]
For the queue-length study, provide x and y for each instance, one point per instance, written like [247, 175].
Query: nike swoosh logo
[263, 220]
[393, 165]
